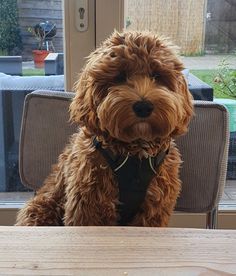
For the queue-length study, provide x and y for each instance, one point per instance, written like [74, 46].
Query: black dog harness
[133, 177]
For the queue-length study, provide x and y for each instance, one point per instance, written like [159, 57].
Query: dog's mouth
[146, 131]
[141, 130]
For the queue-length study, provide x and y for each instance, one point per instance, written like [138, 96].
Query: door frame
[104, 17]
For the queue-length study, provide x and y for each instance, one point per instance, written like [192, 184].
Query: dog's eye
[156, 76]
[113, 54]
[121, 77]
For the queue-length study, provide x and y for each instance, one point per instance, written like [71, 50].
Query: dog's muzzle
[143, 108]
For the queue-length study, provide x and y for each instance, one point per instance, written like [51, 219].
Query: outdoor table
[116, 251]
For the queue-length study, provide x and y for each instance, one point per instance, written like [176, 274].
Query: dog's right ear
[78, 108]
[81, 109]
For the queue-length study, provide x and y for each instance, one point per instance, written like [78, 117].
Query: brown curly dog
[122, 167]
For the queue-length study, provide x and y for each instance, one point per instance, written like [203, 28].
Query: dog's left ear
[187, 104]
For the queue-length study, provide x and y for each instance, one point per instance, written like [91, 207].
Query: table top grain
[116, 251]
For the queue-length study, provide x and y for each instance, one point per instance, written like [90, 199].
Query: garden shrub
[10, 38]
[226, 78]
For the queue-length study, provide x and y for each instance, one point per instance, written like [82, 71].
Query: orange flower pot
[39, 56]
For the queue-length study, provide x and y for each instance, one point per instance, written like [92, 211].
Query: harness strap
[133, 176]
[115, 162]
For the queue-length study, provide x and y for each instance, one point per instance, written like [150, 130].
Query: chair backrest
[46, 129]
[204, 152]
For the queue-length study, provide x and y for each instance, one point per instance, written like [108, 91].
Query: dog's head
[132, 88]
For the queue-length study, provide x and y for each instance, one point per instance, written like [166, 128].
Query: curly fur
[81, 189]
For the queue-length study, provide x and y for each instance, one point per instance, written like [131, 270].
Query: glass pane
[30, 30]
[205, 32]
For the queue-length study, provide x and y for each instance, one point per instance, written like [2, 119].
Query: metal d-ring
[122, 164]
[151, 165]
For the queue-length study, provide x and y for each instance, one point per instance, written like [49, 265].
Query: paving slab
[208, 61]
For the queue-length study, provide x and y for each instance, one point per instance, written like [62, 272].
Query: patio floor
[208, 62]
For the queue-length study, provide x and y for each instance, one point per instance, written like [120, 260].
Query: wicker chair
[45, 131]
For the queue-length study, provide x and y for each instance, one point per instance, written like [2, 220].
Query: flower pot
[39, 56]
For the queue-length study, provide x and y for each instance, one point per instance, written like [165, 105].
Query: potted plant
[43, 32]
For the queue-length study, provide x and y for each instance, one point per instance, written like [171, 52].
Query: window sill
[14, 200]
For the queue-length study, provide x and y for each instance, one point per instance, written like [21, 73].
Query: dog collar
[133, 177]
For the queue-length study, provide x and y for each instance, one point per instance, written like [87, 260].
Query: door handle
[81, 15]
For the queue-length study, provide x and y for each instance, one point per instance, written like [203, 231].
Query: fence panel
[221, 26]
[183, 21]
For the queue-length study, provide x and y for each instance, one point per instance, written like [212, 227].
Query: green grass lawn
[208, 77]
[33, 72]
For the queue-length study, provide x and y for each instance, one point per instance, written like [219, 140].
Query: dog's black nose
[143, 108]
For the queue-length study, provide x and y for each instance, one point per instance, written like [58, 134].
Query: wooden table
[111, 251]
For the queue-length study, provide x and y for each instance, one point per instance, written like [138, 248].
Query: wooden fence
[32, 12]
[183, 21]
